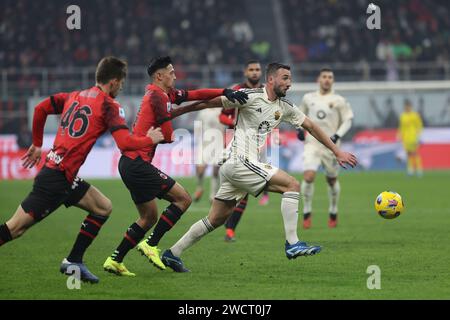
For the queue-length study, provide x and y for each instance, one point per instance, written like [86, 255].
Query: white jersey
[210, 118]
[328, 111]
[209, 141]
[256, 119]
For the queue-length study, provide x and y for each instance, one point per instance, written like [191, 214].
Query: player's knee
[186, 202]
[105, 208]
[183, 201]
[293, 185]
[331, 181]
[309, 178]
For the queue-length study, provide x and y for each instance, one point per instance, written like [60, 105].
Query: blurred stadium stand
[210, 40]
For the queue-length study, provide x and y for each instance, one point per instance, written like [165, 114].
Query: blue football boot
[85, 274]
[173, 262]
[300, 249]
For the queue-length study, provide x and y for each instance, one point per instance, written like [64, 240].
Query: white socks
[333, 195]
[289, 210]
[308, 193]
[197, 230]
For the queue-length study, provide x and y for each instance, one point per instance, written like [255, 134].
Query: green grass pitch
[412, 251]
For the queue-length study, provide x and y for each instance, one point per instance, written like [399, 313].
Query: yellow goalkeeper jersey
[410, 126]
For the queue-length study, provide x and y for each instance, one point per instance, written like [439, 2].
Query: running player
[333, 114]
[146, 182]
[86, 115]
[209, 147]
[242, 172]
[252, 73]
[410, 128]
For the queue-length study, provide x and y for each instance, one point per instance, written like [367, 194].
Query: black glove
[234, 95]
[335, 138]
[301, 135]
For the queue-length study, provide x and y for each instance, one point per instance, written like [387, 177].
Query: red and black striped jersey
[155, 109]
[85, 116]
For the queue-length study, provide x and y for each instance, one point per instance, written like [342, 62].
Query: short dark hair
[325, 69]
[158, 63]
[274, 67]
[110, 68]
[249, 62]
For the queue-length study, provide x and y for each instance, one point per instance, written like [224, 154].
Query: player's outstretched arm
[126, 141]
[234, 96]
[208, 94]
[342, 157]
[196, 106]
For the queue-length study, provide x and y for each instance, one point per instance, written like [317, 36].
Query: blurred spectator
[335, 31]
[34, 33]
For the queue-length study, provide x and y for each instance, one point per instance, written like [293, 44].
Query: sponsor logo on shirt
[53, 156]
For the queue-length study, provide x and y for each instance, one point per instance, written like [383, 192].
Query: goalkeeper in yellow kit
[410, 129]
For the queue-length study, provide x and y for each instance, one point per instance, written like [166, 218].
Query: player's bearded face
[326, 80]
[253, 73]
[282, 83]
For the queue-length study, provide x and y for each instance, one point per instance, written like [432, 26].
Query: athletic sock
[166, 221]
[197, 231]
[5, 234]
[235, 217]
[333, 196]
[419, 168]
[89, 230]
[410, 165]
[289, 210]
[132, 237]
[200, 181]
[308, 193]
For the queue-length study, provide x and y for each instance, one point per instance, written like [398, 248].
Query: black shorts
[50, 190]
[145, 181]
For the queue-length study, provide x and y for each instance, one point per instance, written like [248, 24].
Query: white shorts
[314, 156]
[240, 176]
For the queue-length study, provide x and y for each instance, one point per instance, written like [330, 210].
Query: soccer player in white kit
[333, 114]
[209, 149]
[242, 172]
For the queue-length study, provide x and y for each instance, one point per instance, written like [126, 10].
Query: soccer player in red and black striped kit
[86, 115]
[253, 74]
[146, 182]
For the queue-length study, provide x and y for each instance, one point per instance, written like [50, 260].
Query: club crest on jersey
[122, 113]
[277, 115]
[169, 107]
[331, 105]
